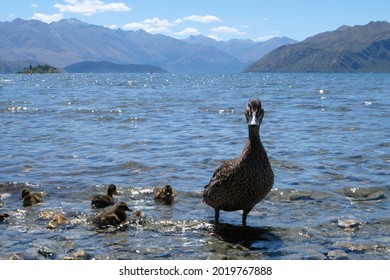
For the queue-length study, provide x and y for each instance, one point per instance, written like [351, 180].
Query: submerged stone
[348, 224]
[337, 255]
[362, 194]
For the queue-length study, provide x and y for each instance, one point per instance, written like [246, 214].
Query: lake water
[70, 136]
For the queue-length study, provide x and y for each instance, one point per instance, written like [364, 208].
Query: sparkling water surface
[71, 135]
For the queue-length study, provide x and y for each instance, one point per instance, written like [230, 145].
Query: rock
[352, 246]
[348, 224]
[300, 196]
[375, 196]
[78, 255]
[44, 251]
[362, 194]
[15, 256]
[337, 255]
[3, 217]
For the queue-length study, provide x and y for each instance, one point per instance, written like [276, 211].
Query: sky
[257, 20]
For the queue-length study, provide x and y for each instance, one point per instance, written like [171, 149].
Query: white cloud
[188, 31]
[214, 37]
[112, 26]
[90, 7]
[47, 18]
[203, 19]
[158, 22]
[153, 25]
[264, 38]
[135, 26]
[226, 29]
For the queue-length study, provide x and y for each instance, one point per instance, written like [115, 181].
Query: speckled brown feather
[241, 183]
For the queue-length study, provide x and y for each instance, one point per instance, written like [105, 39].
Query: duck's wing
[106, 219]
[112, 220]
[101, 201]
[158, 192]
[221, 173]
[37, 197]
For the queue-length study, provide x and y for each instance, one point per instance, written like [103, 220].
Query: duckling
[114, 217]
[31, 198]
[101, 201]
[58, 219]
[165, 193]
[241, 183]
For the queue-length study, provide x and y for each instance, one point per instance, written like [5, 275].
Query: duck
[102, 201]
[30, 198]
[165, 193]
[241, 183]
[115, 217]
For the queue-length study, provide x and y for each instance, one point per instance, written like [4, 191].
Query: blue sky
[257, 20]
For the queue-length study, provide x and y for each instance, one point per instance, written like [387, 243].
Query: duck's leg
[244, 215]
[216, 220]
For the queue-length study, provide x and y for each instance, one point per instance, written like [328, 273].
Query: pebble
[348, 224]
[337, 255]
[44, 251]
[78, 255]
[3, 217]
[361, 194]
[351, 246]
[374, 196]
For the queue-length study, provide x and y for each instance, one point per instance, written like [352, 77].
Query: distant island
[110, 67]
[39, 69]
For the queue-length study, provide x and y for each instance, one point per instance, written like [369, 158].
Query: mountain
[7, 66]
[110, 67]
[361, 48]
[69, 41]
[247, 51]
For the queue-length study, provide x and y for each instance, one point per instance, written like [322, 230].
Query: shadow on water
[257, 240]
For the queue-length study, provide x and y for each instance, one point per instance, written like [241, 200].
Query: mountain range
[361, 48]
[70, 41]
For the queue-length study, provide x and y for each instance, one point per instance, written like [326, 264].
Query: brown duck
[241, 183]
[30, 198]
[165, 193]
[114, 217]
[104, 200]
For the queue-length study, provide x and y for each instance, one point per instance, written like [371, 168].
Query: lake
[71, 135]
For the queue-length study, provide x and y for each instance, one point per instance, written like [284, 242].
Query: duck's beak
[256, 118]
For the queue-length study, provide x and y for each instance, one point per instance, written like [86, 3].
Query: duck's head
[122, 207]
[25, 193]
[168, 190]
[254, 113]
[112, 189]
